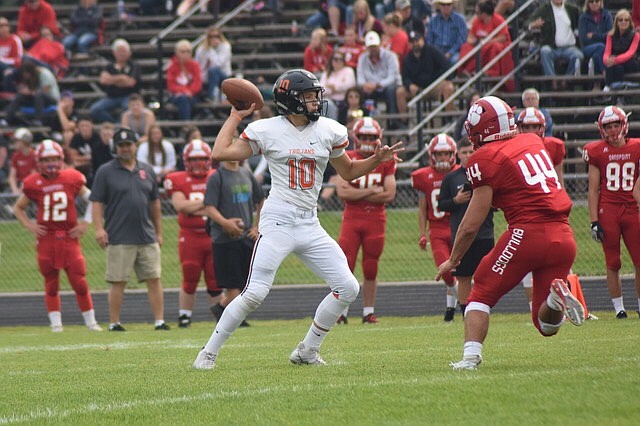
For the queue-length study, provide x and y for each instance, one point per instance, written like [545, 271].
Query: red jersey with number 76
[525, 185]
[618, 168]
[56, 198]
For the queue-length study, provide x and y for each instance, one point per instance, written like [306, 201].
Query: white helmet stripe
[503, 116]
[49, 149]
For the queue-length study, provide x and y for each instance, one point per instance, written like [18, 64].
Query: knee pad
[547, 329]
[370, 268]
[349, 290]
[255, 293]
[477, 306]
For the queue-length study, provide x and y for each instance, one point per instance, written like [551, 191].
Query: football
[242, 93]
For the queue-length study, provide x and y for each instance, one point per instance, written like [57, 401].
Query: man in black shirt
[454, 197]
[81, 148]
[102, 150]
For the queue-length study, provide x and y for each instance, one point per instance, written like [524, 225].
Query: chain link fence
[401, 261]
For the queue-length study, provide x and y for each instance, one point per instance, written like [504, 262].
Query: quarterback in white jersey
[297, 145]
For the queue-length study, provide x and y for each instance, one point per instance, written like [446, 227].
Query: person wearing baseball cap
[447, 30]
[413, 19]
[23, 159]
[127, 218]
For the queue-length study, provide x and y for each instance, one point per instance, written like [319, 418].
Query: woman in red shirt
[183, 79]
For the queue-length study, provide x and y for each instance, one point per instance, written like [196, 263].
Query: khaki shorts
[124, 258]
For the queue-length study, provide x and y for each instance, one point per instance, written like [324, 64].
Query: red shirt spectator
[352, 48]
[317, 52]
[33, 15]
[50, 51]
[10, 45]
[184, 77]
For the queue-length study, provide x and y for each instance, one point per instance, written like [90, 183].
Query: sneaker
[184, 321]
[571, 306]
[342, 320]
[217, 311]
[205, 360]
[620, 315]
[57, 328]
[370, 319]
[94, 327]
[303, 355]
[470, 362]
[163, 326]
[116, 327]
[449, 314]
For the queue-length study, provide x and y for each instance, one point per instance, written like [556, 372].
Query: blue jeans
[548, 56]
[84, 41]
[185, 104]
[102, 109]
[595, 51]
[388, 93]
[214, 79]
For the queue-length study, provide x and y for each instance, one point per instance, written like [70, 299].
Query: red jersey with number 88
[525, 185]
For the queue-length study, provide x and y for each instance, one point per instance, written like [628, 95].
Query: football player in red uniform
[613, 171]
[515, 174]
[364, 218]
[531, 120]
[187, 190]
[57, 229]
[428, 180]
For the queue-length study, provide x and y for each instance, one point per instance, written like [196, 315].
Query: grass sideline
[393, 373]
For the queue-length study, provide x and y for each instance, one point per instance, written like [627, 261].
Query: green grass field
[393, 373]
[402, 260]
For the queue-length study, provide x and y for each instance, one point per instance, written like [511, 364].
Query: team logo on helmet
[288, 93]
[442, 143]
[50, 158]
[367, 133]
[489, 119]
[612, 114]
[197, 158]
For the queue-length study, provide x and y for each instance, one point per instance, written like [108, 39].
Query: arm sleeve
[633, 48]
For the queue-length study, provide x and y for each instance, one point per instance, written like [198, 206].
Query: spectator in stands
[31, 106]
[364, 21]
[447, 30]
[49, 52]
[10, 55]
[23, 159]
[5, 162]
[485, 22]
[137, 117]
[621, 49]
[557, 21]
[394, 38]
[411, 21]
[336, 79]
[183, 79]
[67, 118]
[158, 152]
[213, 56]
[352, 108]
[48, 82]
[329, 15]
[379, 75]
[33, 15]
[102, 152]
[86, 22]
[119, 80]
[351, 48]
[422, 66]
[531, 98]
[593, 26]
[317, 52]
[82, 145]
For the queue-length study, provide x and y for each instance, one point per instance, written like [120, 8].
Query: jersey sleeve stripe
[342, 145]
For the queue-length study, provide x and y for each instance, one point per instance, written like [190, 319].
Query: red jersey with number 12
[56, 198]
[193, 188]
[618, 169]
[429, 181]
[525, 185]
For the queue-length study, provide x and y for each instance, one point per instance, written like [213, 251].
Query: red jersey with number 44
[429, 181]
[372, 179]
[56, 198]
[193, 188]
[525, 185]
[618, 169]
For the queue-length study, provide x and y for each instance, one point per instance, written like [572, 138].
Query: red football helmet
[367, 133]
[49, 149]
[197, 158]
[490, 119]
[532, 116]
[442, 143]
[611, 114]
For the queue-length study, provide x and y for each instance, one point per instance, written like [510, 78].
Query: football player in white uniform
[297, 145]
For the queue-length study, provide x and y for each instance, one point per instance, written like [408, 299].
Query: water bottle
[294, 28]
[122, 12]
[169, 6]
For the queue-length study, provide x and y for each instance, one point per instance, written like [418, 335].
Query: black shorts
[232, 261]
[472, 258]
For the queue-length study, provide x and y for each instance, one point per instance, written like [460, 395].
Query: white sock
[159, 322]
[314, 336]
[367, 310]
[638, 304]
[327, 313]
[346, 311]
[89, 317]
[186, 312]
[618, 305]
[530, 306]
[231, 319]
[472, 349]
[55, 318]
[553, 303]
